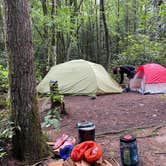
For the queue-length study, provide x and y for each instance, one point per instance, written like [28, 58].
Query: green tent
[80, 77]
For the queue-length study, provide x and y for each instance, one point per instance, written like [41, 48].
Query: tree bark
[46, 39]
[102, 10]
[3, 59]
[28, 142]
[127, 23]
[118, 28]
[135, 8]
[53, 59]
[98, 53]
[76, 8]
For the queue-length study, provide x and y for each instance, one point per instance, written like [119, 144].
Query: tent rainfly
[80, 77]
[149, 78]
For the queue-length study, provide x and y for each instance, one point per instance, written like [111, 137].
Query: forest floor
[115, 115]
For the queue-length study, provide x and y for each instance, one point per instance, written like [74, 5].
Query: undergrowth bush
[52, 119]
[3, 79]
[6, 131]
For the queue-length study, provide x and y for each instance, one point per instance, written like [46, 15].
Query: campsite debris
[128, 150]
[141, 104]
[57, 100]
[56, 163]
[93, 97]
[106, 163]
[50, 143]
[114, 162]
[154, 115]
[102, 134]
[86, 131]
[70, 162]
[163, 153]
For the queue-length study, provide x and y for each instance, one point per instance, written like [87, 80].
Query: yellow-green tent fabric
[80, 77]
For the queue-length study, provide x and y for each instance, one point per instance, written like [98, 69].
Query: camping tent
[149, 78]
[80, 77]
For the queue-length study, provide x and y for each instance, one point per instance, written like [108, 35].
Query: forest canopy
[102, 31]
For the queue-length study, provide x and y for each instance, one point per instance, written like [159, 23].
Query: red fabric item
[154, 73]
[60, 141]
[88, 150]
[93, 154]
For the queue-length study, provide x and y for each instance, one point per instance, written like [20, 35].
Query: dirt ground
[116, 115]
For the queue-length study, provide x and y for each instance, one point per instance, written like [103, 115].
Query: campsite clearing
[115, 115]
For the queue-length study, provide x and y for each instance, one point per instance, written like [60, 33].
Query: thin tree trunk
[135, 16]
[2, 27]
[157, 18]
[126, 22]
[145, 24]
[3, 59]
[53, 38]
[118, 27]
[145, 13]
[28, 143]
[102, 9]
[75, 13]
[46, 39]
[69, 50]
[98, 52]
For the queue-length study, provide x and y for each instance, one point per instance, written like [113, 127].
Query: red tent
[149, 78]
[154, 73]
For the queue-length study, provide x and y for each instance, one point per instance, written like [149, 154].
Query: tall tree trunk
[145, 13]
[73, 33]
[135, 20]
[3, 59]
[157, 18]
[53, 59]
[145, 24]
[46, 39]
[2, 31]
[98, 53]
[102, 9]
[28, 143]
[118, 27]
[126, 22]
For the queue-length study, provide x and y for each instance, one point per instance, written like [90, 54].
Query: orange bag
[88, 150]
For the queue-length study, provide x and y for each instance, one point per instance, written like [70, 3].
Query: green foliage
[6, 131]
[55, 93]
[3, 79]
[57, 97]
[140, 50]
[63, 20]
[5, 135]
[52, 119]
[137, 31]
[2, 153]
